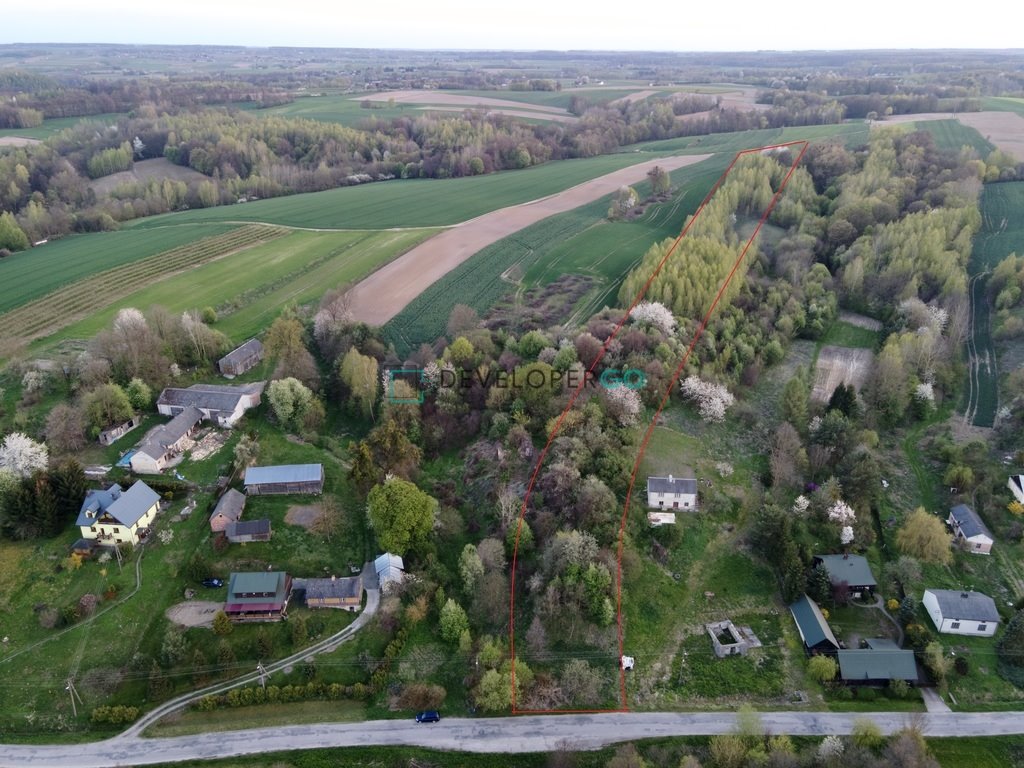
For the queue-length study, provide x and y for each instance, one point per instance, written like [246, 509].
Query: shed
[228, 510]
[284, 478]
[389, 568]
[814, 630]
[245, 531]
[241, 358]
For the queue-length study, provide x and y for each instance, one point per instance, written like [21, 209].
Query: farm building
[1016, 486]
[84, 548]
[259, 596]
[241, 359]
[969, 530]
[346, 593]
[243, 532]
[814, 630]
[219, 403]
[961, 613]
[853, 569]
[165, 442]
[114, 434]
[877, 665]
[116, 516]
[284, 478]
[228, 510]
[671, 492]
[389, 569]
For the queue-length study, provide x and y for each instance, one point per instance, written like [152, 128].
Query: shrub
[898, 689]
[867, 694]
[961, 665]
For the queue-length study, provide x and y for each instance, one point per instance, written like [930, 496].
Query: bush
[843, 693]
[898, 689]
[961, 665]
[866, 694]
[115, 715]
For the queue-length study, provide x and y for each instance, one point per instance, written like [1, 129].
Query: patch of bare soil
[17, 141]
[303, 515]
[840, 365]
[635, 96]
[861, 321]
[142, 172]
[193, 613]
[387, 291]
[208, 445]
[513, 113]
[456, 99]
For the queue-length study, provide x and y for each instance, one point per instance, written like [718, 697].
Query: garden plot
[840, 365]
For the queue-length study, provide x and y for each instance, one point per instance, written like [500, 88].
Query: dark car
[213, 583]
[430, 716]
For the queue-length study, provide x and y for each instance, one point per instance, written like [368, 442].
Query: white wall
[945, 624]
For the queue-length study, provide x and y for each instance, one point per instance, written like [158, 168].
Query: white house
[115, 516]
[219, 403]
[961, 613]
[671, 492]
[969, 530]
[1016, 486]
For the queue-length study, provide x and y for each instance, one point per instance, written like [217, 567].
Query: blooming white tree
[846, 535]
[21, 455]
[842, 513]
[653, 313]
[623, 405]
[925, 392]
[712, 399]
[830, 748]
[724, 468]
[801, 505]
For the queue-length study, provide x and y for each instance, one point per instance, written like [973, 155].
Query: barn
[228, 510]
[241, 359]
[345, 593]
[284, 478]
[245, 531]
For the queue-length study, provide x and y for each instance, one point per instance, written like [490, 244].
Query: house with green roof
[258, 596]
[877, 666]
[852, 569]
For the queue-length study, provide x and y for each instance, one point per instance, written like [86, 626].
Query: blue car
[213, 583]
[430, 716]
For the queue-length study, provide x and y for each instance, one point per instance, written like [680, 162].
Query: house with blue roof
[116, 516]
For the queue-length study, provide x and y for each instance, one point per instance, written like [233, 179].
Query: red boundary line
[650, 428]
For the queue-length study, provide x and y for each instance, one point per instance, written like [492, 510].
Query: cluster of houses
[880, 660]
[264, 595]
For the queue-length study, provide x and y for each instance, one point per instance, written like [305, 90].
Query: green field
[58, 124]
[31, 274]
[343, 109]
[250, 287]
[853, 133]
[1004, 104]
[952, 135]
[580, 241]
[409, 203]
[842, 334]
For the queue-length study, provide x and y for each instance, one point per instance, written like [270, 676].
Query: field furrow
[66, 305]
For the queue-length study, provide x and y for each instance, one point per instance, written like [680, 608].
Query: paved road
[510, 734]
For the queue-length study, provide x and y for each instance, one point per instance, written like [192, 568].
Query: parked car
[430, 716]
[213, 583]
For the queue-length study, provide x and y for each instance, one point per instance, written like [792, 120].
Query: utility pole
[70, 688]
[263, 674]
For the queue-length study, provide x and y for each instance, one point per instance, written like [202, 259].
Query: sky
[683, 25]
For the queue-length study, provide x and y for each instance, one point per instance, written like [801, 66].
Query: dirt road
[387, 291]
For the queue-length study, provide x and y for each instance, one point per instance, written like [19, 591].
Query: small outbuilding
[390, 569]
[245, 531]
[957, 612]
[284, 478]
[228, 510]
[814, 631]
[112, 435]
[875, 666]
[1016, 486]
[970, 530]
[241, 358]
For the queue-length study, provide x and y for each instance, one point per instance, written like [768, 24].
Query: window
[116, 529]
[955, 625]
[119, 540]
[92, 528]
[982, 627]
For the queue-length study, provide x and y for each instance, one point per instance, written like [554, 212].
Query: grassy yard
[842, 334]
[261, 716]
